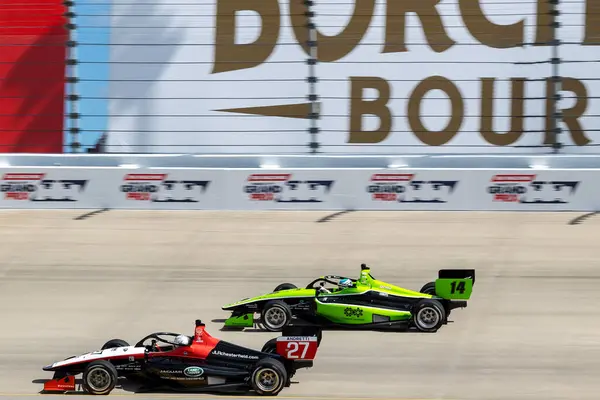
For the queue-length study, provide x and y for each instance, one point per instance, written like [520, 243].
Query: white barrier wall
[300, 189]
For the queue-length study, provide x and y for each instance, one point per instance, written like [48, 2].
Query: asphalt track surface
[531, 330]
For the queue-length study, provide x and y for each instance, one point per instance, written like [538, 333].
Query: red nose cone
[60, 385]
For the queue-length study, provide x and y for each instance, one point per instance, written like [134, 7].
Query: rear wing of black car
[299, 344]
[303, 330]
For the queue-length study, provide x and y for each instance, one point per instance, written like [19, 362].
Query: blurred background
[183, 76]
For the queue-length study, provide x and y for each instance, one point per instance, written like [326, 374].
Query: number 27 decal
[293, 348]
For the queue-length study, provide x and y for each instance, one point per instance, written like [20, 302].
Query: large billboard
[32, 76]
[424, 76]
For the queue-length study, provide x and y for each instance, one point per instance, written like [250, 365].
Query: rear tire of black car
[275, 315]
[270, 347]
[285, 286]
[269, 377]
[99, 378]
[428, 315]
[115, 343]
[428, 288]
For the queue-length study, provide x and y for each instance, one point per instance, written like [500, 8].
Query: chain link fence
[330, 76]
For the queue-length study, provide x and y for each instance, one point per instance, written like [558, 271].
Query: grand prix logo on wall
[525, 189]
[405, 188]
[36, 187]
[281, 188]
[156, 188]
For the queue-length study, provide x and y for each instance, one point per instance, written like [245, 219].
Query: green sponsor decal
[193, 372]
[352, 312]
[357, 315]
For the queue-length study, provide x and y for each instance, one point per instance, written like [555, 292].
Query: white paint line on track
[210, 397]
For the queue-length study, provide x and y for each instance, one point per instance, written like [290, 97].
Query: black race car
[165, 360]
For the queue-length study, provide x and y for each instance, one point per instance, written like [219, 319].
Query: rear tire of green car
[428, 288]
[275, 315]
[428, 315]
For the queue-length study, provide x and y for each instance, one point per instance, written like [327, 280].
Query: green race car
[364, 303]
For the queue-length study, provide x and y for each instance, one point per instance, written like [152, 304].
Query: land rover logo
[193, 371]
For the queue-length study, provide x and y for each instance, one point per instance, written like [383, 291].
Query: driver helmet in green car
[346, 283]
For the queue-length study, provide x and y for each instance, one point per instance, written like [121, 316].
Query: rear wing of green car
[455, 284]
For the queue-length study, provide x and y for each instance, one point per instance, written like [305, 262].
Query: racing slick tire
[275, 315]
[112, 343]
[285, 286]
[99, 377]
[269, 377]
[428, 315]
[428, 288]
[270, 347]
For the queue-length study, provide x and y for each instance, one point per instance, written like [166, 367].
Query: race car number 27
[294, 349]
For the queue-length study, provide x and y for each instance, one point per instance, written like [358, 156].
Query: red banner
[32, 76]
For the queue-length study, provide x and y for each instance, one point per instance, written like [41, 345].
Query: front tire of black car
[115, 343]
[99, 378]
[428, 315]
[275, 315]
[269, 377]
[428, 288]
[285, 286]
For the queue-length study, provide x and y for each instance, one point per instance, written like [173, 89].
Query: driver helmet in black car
[183, 340]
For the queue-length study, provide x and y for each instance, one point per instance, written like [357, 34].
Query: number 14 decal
[457, 288]
[293, 348]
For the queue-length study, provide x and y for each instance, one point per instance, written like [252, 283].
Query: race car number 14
[294, 348]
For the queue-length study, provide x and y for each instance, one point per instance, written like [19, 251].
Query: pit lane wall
[289, 183]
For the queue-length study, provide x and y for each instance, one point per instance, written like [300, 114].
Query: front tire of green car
[285, 286]
[428, 315]
[275, 315]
